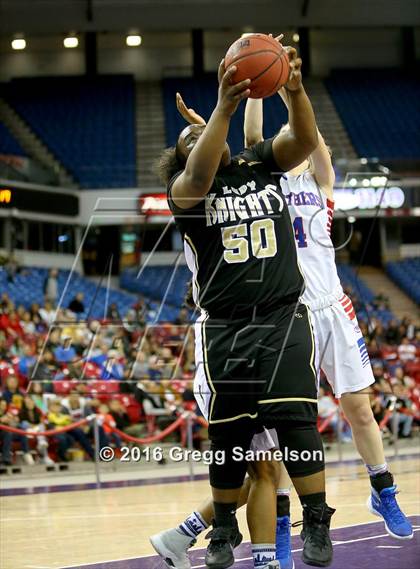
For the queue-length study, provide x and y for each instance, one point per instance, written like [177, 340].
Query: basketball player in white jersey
[343, 356]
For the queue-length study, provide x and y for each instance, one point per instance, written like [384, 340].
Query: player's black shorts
[257, 370]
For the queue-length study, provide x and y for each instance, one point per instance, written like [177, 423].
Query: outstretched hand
[188, 114]
[295, 78]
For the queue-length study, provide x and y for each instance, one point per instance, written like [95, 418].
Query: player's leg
[226, 480]
[368, 441]
[346, 364]
[261, 484]
[290, 407]
[261, 508]
[283, 525]
[173, 544]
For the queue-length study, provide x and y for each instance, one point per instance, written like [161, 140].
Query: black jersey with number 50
[238, 241]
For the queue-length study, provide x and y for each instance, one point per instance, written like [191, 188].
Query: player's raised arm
[253, 122]
[204, 149]
[293, 147]
[321, 163]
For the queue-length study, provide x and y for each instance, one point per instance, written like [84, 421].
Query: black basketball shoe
[223, 540]
[317, 546]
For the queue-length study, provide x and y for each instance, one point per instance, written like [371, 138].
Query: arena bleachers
[406, 274]
[363, 297]
[8, 143]
[160, 282]
[88, 124]
[202, 96]
[27, 287]
[380, 111]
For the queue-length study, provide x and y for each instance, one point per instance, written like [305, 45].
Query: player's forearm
[253, 123]
[302, 119]
[204, 160]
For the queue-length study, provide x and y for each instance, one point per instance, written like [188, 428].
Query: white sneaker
[47, 460]
[272, 565]
[173, 547]
[28, 459]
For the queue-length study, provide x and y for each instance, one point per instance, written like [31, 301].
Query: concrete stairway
[150, 131]
[401, 305]
[329, 122]
[32, 145]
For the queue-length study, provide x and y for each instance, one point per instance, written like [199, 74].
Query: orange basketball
[262, 59]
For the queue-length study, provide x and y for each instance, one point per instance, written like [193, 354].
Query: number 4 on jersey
[300, 234]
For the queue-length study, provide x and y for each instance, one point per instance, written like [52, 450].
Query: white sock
[193, 525]
[263, 553]
[283, 491]
[375, 469]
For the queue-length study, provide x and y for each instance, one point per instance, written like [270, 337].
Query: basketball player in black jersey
[239, 245]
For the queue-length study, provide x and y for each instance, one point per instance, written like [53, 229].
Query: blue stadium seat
[27, 288]
[406, 274]
[380, 110]
[8, 143]
[88, 123]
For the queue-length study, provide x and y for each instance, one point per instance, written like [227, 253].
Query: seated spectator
[381, 301]
[26, 323]
[7, 438]
[140, 369]
[44, 369]
[378, 409]
[401, 403]
[12, 394]
[76, 406]
[122, 420]
[37, 395]
[392, 334]
[382, 384]
[149, 394]
[57, 417]
[406, 351]
[47, 313]
[113, 312]
[31, 418]
[107, 422]
[27, 360]
[379, 335]
[65, 352]
[410, 327]
[76, 305]
[327, 407]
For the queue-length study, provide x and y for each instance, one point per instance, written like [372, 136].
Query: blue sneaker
[385, 505]
[283, 543]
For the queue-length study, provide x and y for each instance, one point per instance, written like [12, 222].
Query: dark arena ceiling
[52, 16]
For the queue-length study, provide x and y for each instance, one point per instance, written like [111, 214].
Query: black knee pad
[227, 470]
[301, 445]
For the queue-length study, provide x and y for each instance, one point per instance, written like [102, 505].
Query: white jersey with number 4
[343, 353]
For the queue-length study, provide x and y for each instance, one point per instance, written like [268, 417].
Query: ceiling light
[18, 43]
[71, 42]
[133, 41]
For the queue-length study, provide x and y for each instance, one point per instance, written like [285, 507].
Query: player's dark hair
[170, 162]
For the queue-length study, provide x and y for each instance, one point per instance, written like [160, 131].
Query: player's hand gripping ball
[262, 59]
